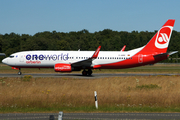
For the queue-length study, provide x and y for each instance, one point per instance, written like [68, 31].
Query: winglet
[96, 53]
[123, 48]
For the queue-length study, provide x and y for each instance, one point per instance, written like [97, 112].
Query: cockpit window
[11, 56]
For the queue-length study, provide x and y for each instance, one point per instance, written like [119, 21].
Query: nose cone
[4, 61]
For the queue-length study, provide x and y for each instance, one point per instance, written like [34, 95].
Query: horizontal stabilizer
[170, 53]
[165, 54]
[2, 54]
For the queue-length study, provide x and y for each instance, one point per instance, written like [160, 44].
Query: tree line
[84, 40]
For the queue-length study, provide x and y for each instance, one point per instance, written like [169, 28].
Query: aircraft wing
[87, 62]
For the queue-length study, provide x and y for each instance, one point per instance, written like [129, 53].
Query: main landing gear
[85, 73]
[19, 73]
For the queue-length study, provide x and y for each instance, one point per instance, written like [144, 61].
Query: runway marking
[117, 116]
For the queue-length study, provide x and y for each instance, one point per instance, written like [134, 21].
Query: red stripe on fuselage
[134, 62]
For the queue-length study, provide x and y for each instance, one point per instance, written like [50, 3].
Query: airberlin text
[40, 57]
[33, 62]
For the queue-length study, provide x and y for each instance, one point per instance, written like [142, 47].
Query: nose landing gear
[19, 73]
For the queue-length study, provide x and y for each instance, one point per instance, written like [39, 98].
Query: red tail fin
[160, 41]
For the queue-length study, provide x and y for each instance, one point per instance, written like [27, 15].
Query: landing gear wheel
[89, 72]
[84, 72]
[19, 73]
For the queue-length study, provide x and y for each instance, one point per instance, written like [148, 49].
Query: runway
[95, 75]
[90, 116]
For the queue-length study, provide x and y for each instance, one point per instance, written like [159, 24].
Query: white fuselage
[48, 59]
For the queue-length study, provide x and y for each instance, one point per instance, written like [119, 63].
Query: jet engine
[61, 67]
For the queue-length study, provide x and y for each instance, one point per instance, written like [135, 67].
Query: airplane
[67, 61]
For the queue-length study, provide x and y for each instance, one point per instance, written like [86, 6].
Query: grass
[150, 86]
[115, 94]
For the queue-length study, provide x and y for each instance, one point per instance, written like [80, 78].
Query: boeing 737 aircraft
[67, 61]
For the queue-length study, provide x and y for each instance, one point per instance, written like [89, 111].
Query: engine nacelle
[61, 67]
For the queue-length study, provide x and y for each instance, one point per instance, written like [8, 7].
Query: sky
[33, 16]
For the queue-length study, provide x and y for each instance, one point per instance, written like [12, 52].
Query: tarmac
[95, 75]
[91, 116]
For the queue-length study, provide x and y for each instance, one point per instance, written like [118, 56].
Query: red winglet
[95, 55]
[123, 48]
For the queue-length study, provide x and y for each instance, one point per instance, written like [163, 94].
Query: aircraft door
[140, 58]
[21, 58]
